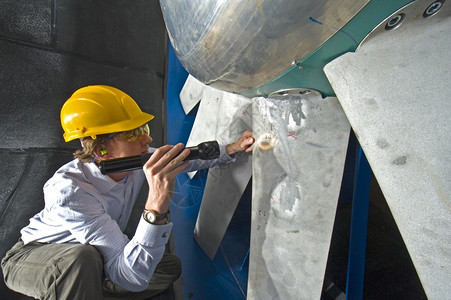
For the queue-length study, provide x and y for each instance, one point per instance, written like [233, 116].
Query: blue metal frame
[225, 277]
[359, 229]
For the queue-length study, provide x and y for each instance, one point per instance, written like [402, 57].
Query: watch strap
[153, 217]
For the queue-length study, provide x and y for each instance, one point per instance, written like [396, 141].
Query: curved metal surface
[395, 92]
[224, 117]
[298, 160]
[410, 15]
[240, 45]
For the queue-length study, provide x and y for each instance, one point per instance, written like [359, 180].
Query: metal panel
[192, 92]
[309, 71]
[222, 116]
[395, 91]
[298, 164]
[223, 190]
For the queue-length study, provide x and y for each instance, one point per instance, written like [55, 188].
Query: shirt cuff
[152, 235]
[224, 157]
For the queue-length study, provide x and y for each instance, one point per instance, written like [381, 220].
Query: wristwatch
[153, 217]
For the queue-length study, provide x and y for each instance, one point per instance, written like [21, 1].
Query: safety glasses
[132, 135]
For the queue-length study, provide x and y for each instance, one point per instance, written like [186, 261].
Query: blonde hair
[86, 154]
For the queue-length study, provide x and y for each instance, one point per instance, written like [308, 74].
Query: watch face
[151, 216]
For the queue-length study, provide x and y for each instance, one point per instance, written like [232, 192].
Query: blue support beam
[225, 277]
[359, 229]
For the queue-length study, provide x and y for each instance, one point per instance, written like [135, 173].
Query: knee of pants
[177, 267]
[170, 264]
[88, 258]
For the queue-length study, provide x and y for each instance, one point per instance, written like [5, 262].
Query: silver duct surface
[395, 92]
[297, 170]
[240, 45]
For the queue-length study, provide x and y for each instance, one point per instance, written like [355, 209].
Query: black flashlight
[204, 151]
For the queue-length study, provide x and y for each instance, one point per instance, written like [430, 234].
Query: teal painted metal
[308, 73]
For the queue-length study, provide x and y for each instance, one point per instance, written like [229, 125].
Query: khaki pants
[74, 271]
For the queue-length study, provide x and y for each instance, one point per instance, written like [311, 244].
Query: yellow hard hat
[100, 109]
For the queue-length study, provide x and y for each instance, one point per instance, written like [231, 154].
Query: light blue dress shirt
[84, 206]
